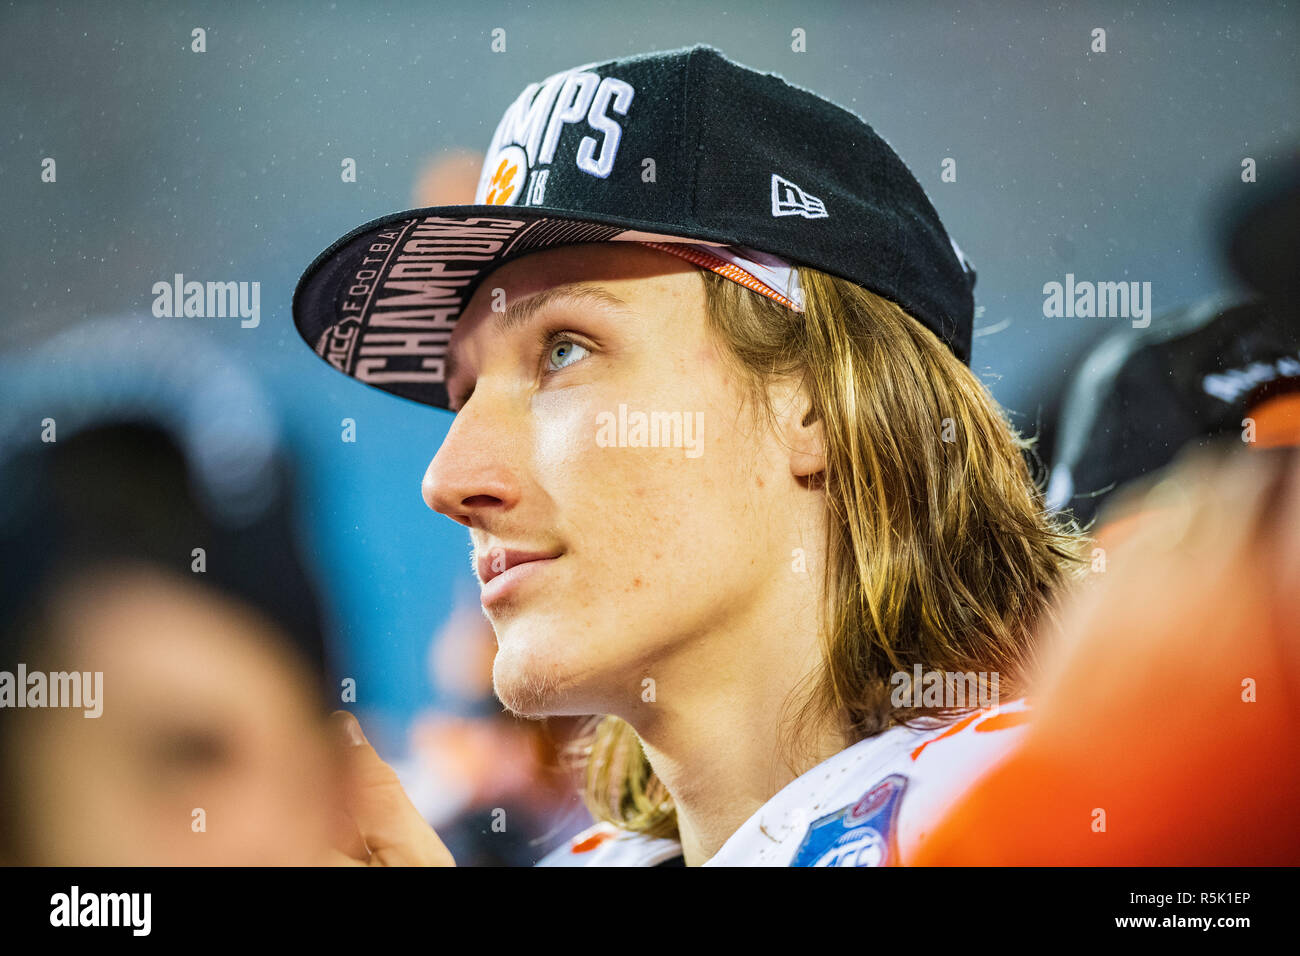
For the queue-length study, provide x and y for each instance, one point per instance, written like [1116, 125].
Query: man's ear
[801, 430]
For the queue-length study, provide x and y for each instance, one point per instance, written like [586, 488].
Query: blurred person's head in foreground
[164, 648]
[1220, 372]
[1167, 718]
[1223, 371]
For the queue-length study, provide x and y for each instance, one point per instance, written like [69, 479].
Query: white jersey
[871, 804]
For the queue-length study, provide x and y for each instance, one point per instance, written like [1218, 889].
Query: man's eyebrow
[518, 313]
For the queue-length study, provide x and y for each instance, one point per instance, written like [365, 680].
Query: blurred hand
[386, 828]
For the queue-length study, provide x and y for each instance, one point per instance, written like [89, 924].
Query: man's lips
[496, 561]
[507, 571]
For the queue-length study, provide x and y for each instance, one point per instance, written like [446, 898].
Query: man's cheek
[593, 452]
[565, 434]
[590, 438]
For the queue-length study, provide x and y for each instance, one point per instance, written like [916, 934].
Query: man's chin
[534, 683]
[526, 688]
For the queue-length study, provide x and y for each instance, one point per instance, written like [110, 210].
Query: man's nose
[475, 470]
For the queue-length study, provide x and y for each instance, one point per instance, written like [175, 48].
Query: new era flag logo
[789, 200]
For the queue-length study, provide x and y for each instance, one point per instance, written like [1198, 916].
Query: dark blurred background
[225, 165]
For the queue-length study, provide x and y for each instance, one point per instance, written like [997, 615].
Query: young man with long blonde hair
[731, 485]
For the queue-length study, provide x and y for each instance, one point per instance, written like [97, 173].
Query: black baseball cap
[1141, 398]
[669, 146]
[1193, 376]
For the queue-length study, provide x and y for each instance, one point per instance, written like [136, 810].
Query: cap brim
[380, 304]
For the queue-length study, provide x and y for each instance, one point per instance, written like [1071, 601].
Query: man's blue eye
[565, 352]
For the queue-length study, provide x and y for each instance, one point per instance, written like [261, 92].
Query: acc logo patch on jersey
[861, 834]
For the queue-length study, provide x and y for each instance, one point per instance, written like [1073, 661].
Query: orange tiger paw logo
[502, 184]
